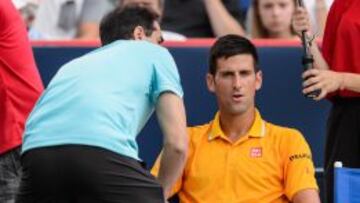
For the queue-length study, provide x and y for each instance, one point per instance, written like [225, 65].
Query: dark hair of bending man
[121, 25]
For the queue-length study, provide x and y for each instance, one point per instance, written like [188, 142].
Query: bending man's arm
[222, 22]
[306, 196]
[171, 116]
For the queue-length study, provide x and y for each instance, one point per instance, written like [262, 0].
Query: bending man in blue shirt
[79, 144]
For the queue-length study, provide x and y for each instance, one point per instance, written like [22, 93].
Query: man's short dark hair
[121, 22]
[228, 46]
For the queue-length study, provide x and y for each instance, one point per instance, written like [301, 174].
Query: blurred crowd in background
[180, 19]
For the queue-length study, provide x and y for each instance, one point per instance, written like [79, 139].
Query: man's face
[235, 83]
[152, 4]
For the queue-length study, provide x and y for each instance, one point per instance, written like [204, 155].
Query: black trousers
[75, 173]
[10, 173]
[343, 139]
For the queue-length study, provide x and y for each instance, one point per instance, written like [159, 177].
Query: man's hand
[324, 80]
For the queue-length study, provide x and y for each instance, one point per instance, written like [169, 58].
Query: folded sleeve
[165, 76]
[299, 171]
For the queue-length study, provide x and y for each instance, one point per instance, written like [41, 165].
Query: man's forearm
[351, 82]
[222, 22]
[171, 116]
[171, 167]
[319, 61]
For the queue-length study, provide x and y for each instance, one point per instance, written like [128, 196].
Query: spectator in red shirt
[20, 86]
[337, 76]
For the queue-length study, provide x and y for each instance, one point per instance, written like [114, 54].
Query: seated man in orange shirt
[239, 157]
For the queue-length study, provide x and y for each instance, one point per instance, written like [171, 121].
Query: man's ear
[259, 79]
[210, 81]
[138, 33]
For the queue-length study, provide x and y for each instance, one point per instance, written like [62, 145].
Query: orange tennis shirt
[269, 164]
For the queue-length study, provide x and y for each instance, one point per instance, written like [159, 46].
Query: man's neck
[236, 126]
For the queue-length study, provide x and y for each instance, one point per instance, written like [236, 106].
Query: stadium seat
[346, 184]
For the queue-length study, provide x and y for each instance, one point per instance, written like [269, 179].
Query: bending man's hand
[324, 80]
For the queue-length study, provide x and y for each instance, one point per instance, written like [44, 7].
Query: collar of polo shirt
[257, 129]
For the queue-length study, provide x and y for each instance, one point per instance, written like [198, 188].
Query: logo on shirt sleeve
[300, 156]
[256, 152]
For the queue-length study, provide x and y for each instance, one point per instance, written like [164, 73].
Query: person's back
[86, 122]
[121, 81]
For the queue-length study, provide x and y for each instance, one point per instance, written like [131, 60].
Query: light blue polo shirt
[103, 98]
